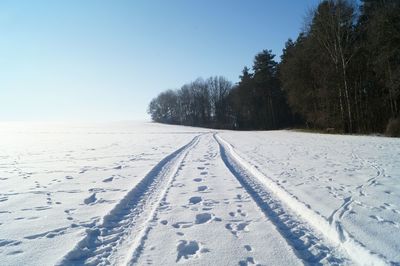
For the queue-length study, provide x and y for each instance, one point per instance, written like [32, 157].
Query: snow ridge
[122, 229]
[278, 205]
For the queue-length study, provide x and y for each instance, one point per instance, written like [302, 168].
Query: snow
[223, 227]
[348, 181]
[136, 193]
[59, 180]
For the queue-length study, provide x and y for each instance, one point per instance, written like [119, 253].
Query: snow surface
[353, 182]
[144, 193]
[59, 180]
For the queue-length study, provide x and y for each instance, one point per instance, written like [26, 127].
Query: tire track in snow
[194, 220]
[122, 229]
[185, 248]
[278, 205]
[134, 255]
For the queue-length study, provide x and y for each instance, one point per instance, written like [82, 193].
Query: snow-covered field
[144, 193]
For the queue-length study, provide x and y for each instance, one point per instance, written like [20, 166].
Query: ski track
[120, 230]
[330, 230]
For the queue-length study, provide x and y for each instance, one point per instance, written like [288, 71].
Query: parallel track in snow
[120, 232]
[121, 235]
[314, 238]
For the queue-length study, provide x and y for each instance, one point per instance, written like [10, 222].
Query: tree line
[342, 73]
[199, 103]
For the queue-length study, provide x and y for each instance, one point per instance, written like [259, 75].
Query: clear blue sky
[105, 60]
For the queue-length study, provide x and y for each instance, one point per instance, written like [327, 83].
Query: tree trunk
[346, 91]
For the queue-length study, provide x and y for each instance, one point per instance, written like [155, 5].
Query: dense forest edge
[341, 74]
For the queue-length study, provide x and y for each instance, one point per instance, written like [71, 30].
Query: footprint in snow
[83, 170]
[202, 218]
[248, 248]
[242, 213]
[195, 200]
[237, 228]
[247, 261]
[202, 188]
[111, 178]
[187, 249]
[92, 198]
